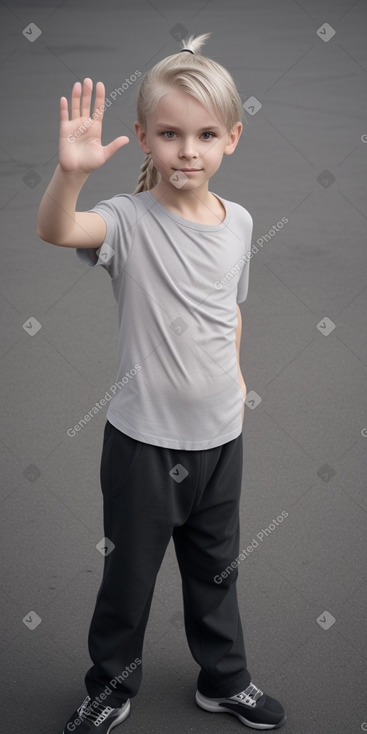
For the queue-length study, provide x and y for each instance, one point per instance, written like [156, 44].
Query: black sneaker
[251, 706]
[93, 717]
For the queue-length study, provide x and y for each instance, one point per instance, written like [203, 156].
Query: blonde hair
[202, 78]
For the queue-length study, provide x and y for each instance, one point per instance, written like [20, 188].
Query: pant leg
[205, 545]
[129, 471]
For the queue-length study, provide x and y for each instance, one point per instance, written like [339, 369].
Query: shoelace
[97, 716]
[250, 695]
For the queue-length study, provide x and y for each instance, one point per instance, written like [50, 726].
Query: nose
[187, 148]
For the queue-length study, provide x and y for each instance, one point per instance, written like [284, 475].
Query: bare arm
[80, 153]
[59, 223]
[238, 345]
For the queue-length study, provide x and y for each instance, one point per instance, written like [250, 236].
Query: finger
[87, 97]
[75, 100]
[64, 111]
[116, 144]
[100, 100]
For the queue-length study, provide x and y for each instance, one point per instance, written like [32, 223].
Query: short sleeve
[243, 283]
[120, 216]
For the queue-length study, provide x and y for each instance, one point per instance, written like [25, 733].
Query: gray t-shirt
[176, 283]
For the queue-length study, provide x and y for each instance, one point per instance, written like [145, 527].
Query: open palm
[80, 146]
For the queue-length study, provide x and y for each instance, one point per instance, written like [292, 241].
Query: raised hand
[80, 147]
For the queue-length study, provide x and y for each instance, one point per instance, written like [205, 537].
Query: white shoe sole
[124, 714]
[210, 705]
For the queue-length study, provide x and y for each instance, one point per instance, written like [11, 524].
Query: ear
[233, 138]
[141, 136]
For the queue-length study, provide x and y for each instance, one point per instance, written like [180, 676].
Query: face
[182, 134]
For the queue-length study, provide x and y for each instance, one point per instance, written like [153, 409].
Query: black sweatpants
[150, 494]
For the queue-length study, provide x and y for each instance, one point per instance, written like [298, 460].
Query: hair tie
[187, 49]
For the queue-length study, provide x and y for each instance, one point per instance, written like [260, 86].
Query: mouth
[188, 170]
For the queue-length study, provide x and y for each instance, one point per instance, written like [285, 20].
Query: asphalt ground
[301, 158]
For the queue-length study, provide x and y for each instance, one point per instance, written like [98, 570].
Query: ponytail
[148, 175]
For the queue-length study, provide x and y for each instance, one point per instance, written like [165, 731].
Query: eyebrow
[174, 127]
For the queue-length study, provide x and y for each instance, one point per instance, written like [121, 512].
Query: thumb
[115, 145]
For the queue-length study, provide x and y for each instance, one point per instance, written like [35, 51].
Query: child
[178, 256]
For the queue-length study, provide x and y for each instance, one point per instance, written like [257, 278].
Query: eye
[171, 132]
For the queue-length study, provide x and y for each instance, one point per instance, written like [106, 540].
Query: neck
[191, 200]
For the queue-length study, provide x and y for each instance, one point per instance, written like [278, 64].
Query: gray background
[304, 443]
